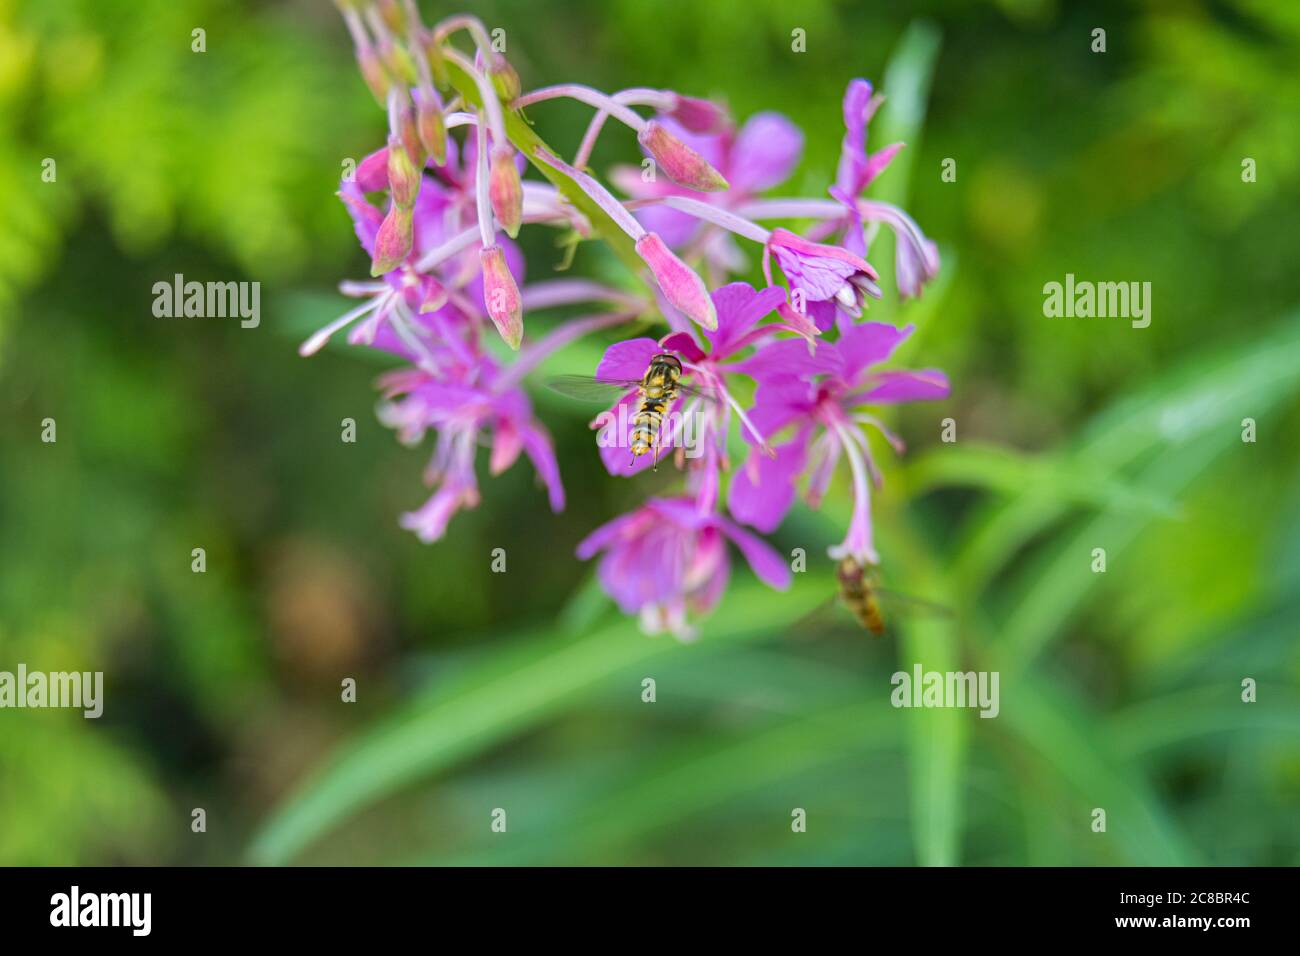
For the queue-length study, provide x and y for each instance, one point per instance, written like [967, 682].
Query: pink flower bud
[506, 192]
[680, 163]
[403, 177]
[501, 295]
[681, 285]
[372, 172]
[393, 241]
[699, 116]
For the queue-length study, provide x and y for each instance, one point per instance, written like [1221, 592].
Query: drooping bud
[699, 116]
[682, 286]
[505, 191]
[504, 78]
[403, 176]
[680, 163]
[501, 295]
[393, 241]
[431, 125]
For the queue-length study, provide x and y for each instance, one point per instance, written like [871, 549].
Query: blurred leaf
[518, 686]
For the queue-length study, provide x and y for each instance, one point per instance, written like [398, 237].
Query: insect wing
[896, 603]
[588, 389]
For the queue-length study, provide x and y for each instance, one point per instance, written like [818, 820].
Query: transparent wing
[831, 617]
[589, 389]
[599, 391]
[895, 602]
[703, 393]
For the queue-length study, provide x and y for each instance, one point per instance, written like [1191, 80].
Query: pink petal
[766, 151]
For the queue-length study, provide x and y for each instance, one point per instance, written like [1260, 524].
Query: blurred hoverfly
[860, 593]
[657, 390]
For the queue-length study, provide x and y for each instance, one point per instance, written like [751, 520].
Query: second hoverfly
[657, 390]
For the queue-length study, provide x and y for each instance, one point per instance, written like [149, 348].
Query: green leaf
[513, 689]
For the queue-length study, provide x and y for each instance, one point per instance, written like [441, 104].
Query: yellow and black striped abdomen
[649, 417]
[658, 391]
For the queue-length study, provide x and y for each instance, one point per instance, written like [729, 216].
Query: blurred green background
[522, 690]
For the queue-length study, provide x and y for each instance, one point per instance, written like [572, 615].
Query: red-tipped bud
[504, 78]
[680, 163]
[699, 116]
[506, 191]
[403, 176]
[501, 295]
[681, 284]
[393, 242]
[431, 126]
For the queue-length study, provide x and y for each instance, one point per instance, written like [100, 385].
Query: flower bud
[431, 125]
[699, 116]
[504, 78]
[505, 191]
[392, 14]
[680, 163]
[403, 176]
[372, 172]
[437, 61]
[393, 241]
[501, 295]
[373, 72]
[680, 283]
[399, 62]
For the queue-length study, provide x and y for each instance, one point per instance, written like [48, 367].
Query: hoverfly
[657, 390]
[862, 596]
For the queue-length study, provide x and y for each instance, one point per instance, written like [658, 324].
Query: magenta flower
[917, 258]
[669, 559]
[822, 397]
[464, 404]
[740, 308]
[447, 279]
[823, 279]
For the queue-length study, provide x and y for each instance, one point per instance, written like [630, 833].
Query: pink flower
[822, 398]
[822, 278]
[464, 404]
[669, 559]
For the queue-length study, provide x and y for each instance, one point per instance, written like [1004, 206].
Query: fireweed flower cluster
[437, 208]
